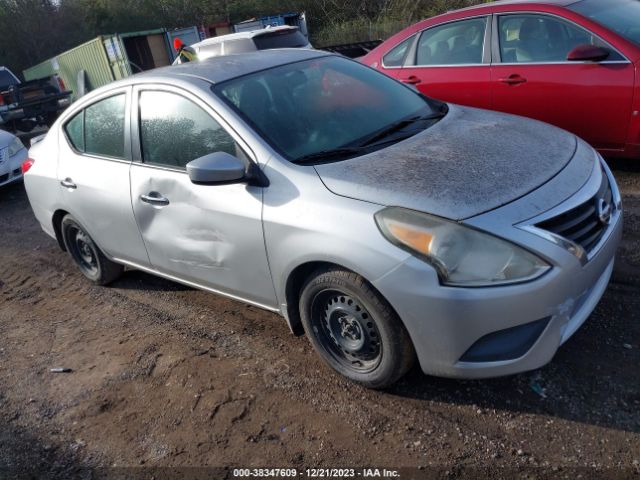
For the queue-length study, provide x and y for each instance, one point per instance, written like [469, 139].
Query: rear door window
[456, 43]
[104, 127]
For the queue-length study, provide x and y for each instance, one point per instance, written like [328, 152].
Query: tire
[354, 329]
[86, 254]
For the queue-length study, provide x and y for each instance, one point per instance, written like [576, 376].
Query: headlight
[15, 146]
[463, 257]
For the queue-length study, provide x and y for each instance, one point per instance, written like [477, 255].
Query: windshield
[280, 39]
[6, 79]
[322, 105]
[621, 16]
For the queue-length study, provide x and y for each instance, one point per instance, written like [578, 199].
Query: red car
[574, 64]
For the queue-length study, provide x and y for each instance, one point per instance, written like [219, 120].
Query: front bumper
[444, 322]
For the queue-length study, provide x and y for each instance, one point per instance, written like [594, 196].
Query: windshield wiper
[397, 126]
[365, 145]
[329, 154]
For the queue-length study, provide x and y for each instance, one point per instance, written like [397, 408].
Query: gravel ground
[168, 377]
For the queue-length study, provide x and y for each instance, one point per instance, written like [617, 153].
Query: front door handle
[412, 80]
[68, 183]
[155, 199]
[514, 79]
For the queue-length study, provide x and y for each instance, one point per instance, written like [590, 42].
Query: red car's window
[396, 56]
[542, 39]
[455, 43]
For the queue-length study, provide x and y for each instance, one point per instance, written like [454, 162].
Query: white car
[12, 155]
[243, 42]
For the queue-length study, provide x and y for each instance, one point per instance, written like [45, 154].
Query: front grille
[4, 154]
[583, 224]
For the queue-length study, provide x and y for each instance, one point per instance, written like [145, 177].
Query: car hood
[470, 162]
[5, 138]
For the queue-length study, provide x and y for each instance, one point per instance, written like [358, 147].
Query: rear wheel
[87, 256]
[354, 329]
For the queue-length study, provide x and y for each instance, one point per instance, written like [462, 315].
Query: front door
[210, 235]
[533, 78]
[450, 62]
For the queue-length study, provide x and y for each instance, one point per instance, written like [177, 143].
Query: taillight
[63, 87]
[27, 164]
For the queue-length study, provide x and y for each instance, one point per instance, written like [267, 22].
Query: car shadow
[25, 454]
[146, 282]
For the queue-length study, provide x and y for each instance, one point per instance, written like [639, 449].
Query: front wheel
[86, 254]
[354, 329]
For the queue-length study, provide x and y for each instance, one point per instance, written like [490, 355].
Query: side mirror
[215, 168]
[588, 53]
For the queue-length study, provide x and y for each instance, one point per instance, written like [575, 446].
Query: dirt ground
[167, 376]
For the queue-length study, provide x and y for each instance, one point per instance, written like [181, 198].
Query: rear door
[450, 62]
[532, 77]
[93, 174]
[210, 235]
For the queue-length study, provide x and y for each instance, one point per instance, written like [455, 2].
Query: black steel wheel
[86, 254]
[354, 329]
[346, 330]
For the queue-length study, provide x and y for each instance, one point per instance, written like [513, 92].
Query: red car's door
[532, 77]
[450, 62]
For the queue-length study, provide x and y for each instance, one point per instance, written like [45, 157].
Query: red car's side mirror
[588, 53]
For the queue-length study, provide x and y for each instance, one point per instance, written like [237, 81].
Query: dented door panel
[207, 234]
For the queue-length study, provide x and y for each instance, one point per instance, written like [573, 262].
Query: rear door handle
[514, 79]
[155, 199]
[68, 183]
[412, 80]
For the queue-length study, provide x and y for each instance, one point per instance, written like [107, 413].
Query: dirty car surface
[386, 226]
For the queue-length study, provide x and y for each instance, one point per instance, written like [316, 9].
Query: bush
[393, 17]
[358, 30]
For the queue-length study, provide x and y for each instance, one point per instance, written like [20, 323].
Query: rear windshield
[621, 16]
[6, 79]
[281, 39]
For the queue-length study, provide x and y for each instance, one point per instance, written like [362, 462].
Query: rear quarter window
[74, 129]
[397, 55]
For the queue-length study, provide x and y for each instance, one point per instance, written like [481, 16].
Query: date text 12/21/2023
[315, 473]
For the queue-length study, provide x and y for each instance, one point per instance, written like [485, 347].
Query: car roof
[248, 34]
[226, 67]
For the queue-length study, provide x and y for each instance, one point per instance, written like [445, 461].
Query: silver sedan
[385, 225]
[12, 156]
